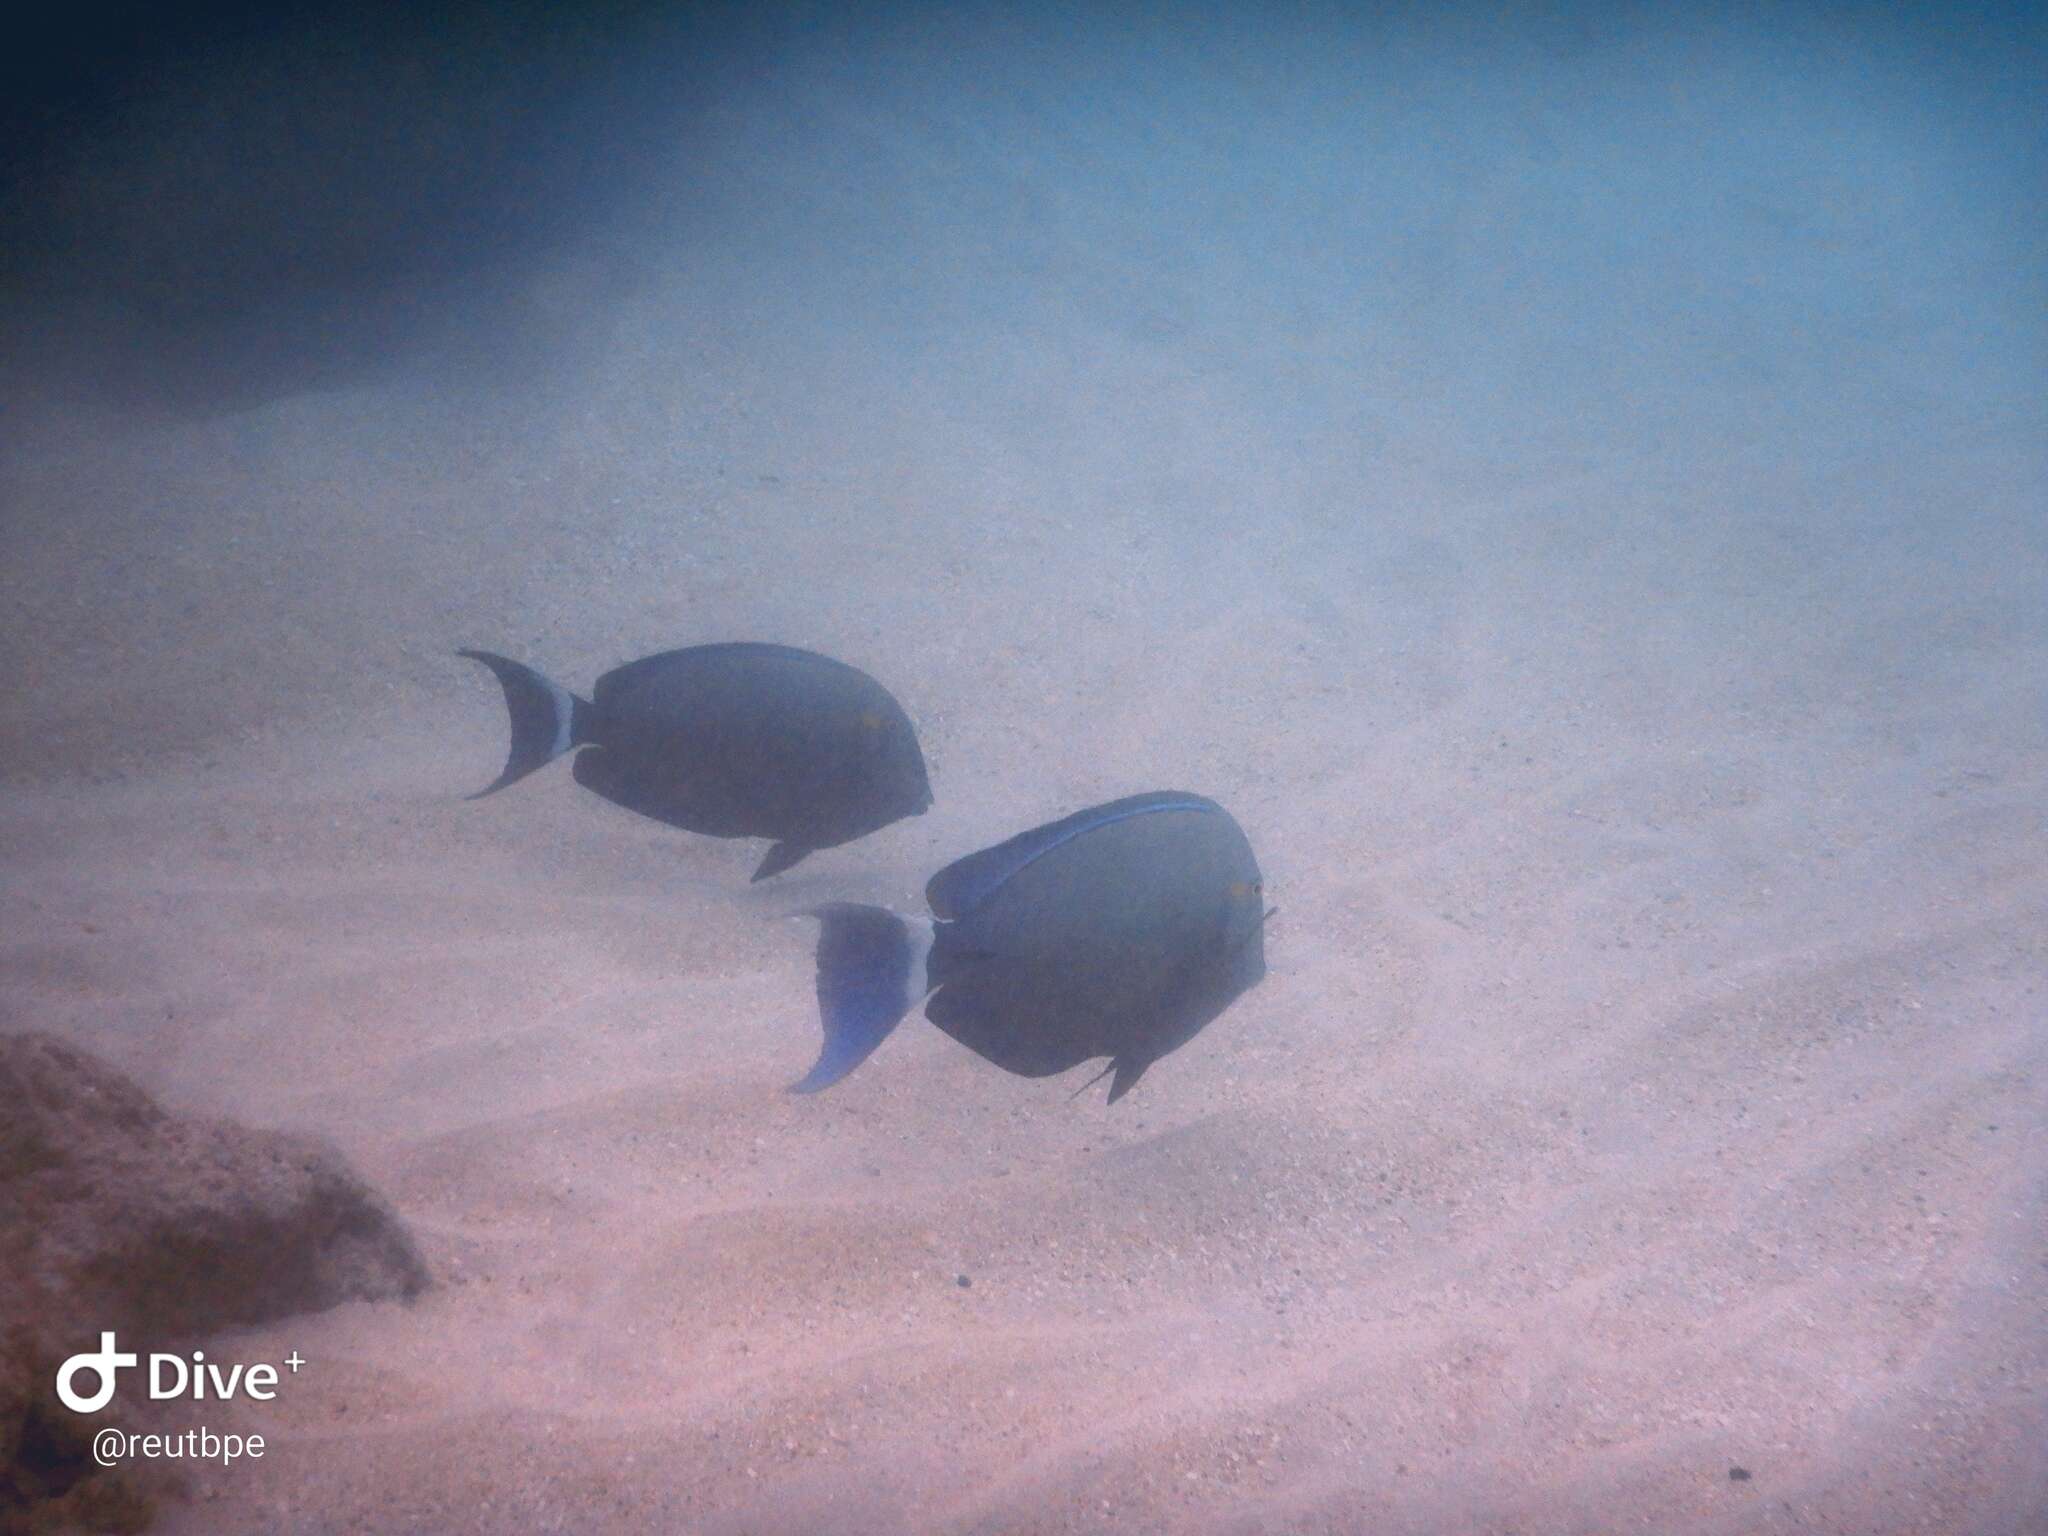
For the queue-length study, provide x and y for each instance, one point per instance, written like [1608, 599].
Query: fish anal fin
[780, 857]
[1128, 1070]
[1098, 1077]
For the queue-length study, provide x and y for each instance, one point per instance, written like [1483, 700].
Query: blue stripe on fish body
[966, 883]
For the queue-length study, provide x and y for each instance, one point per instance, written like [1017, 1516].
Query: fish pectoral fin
[780, 857]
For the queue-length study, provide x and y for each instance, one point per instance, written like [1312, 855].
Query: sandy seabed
[1641, 1126]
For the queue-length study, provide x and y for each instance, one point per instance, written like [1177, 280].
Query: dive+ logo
[169, 1376]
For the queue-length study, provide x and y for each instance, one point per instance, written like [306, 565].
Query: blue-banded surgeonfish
[1117, 932]
[733, 740]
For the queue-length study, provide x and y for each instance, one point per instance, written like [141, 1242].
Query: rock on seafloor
[116, 1215]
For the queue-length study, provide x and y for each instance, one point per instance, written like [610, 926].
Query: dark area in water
[218, 205]
[207, 207]
[215, 206]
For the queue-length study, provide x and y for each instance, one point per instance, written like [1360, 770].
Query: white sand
[1639, 718]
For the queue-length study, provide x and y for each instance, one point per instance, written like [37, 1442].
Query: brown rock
[116, 1215]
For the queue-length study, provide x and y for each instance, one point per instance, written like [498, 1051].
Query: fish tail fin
[547, 719]
[871, 972]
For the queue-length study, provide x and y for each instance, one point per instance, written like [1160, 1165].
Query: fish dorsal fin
[966, 883]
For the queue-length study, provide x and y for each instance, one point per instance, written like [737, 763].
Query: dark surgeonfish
[1119, 931]
[737, 740]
